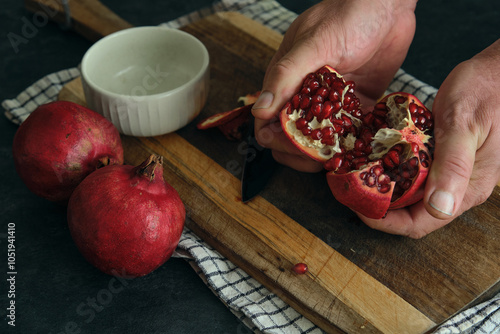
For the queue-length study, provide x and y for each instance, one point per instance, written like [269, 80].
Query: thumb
[283, 79]
[450, 172]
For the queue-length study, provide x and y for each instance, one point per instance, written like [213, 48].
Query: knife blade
[258, 167]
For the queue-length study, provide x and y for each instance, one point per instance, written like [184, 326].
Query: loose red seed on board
[300, 268]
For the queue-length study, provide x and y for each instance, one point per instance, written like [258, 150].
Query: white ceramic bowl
[148, 81]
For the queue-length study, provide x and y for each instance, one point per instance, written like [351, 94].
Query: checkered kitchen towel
[258, 308]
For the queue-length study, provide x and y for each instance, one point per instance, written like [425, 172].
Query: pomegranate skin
[349, 190]
[59, 144]
[126, 221]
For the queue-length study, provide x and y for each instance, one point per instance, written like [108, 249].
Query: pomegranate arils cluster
[324, 109]
[377, 159]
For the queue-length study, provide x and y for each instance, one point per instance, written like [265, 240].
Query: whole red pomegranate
[59, 144]
[126, 220]
[378, 159]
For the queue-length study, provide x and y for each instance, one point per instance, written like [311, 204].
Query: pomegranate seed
[351, 84]
[366, 135]
[358, 153]
[335, 162]
[296, 101]
[337, 129]
[337, 121]
[384, 188]
[399, 99]
[316, 134]
[328, 132]
[368, 119]
[314, 85]
[288, 107]
[337, 106]
[405, 185]
[415, 148]
[405, 173]
[377, 170]
[316, 109]
[334, 96]
[391, 159]
[383, 179]
[343, 169]
[347, 99]
[349, 156]
[421, 120]
[301, 123]
[424, 159]
[356, 112]
[328, 78]
[324, 71]
[413, 172]
[359, 145]
[306, 131]
[323, 92]
[317, 99]
[413, 163]
[380, 106]
[327, 110]
[328, 141]
[379, 123]
[305, 91]
[305, 102]
[380, 113]
[347, 122]
[412, 108]
[309, 116]
[398, 148]
[300, 268]
[359, 162]
[371, 181]
[338, 85]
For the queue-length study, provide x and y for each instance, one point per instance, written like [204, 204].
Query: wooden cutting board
[359, 280]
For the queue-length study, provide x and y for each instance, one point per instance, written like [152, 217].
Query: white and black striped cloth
[258, 308]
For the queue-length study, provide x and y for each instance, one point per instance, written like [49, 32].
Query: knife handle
[89, 18]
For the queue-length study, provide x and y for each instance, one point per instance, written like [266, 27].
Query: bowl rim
[191, 81]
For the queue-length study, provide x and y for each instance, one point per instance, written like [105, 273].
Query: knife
[258, 167]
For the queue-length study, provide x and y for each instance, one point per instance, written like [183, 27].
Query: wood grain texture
[359, 280]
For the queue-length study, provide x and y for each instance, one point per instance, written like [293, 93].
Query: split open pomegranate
[377, 159]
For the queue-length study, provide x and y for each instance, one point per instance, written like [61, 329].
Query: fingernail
[264, 101]
[442, 201]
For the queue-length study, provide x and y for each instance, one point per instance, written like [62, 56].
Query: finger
[283, 79]
[269, 134]
[300, 163]
[450, 172]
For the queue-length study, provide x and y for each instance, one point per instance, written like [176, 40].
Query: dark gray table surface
[56, 290]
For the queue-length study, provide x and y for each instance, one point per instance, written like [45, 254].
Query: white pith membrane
[398, 118]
